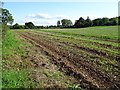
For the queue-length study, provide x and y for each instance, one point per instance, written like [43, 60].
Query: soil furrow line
[70, 68]
[90, 50]
[76, 39]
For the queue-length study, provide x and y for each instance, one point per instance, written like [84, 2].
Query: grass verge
[11, 77]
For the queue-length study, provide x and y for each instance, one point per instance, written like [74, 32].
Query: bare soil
[84, 71]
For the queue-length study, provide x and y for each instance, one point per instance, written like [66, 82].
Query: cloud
[45, 16]
[40, 16]
[43, 19]
[44, 22]
[60, 16]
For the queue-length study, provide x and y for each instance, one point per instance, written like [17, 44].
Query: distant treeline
[65, 23]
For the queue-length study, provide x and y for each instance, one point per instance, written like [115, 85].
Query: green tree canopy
[88, 22]
[29, 25]
[17, 26]
[58, 23]
[97, 22]
[113, 21]
[105, 21]
[66, 22]
[80, 22]
[119, 20]
[6, 16]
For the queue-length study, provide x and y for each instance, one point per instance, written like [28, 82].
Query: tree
[6, 18]
[119, 20]
[97, 22]
[88, 22]
[17, 26]
[79, 23]
[113, 21]
[66, 23]
[58, 23]
[29, 25]
[105, 21]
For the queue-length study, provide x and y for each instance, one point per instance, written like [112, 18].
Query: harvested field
[92, 59]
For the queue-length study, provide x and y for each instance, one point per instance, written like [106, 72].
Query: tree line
[66, 23]
[30, 25]
[81, 22]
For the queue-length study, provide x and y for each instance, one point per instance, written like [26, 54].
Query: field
[84, 58]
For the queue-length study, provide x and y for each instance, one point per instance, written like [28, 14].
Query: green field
[94, 50]
[104, 32]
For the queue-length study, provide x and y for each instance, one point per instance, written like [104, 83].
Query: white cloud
[40, 21]
[39, 15]
[43, 19]
[46, 16]
[60, 16]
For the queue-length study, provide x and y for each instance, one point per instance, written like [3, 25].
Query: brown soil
[87, 73]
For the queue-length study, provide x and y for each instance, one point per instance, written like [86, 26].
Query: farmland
[87, 57]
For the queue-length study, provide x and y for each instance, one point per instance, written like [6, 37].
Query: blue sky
[48, 13]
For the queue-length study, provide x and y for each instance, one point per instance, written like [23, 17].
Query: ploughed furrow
[64, 65]
[104, 56]
[80, 39]
[84, 42]
[83, 70]
[110, 67]
[99, 58]
[95, 51]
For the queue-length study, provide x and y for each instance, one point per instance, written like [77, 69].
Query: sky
[48, 13]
